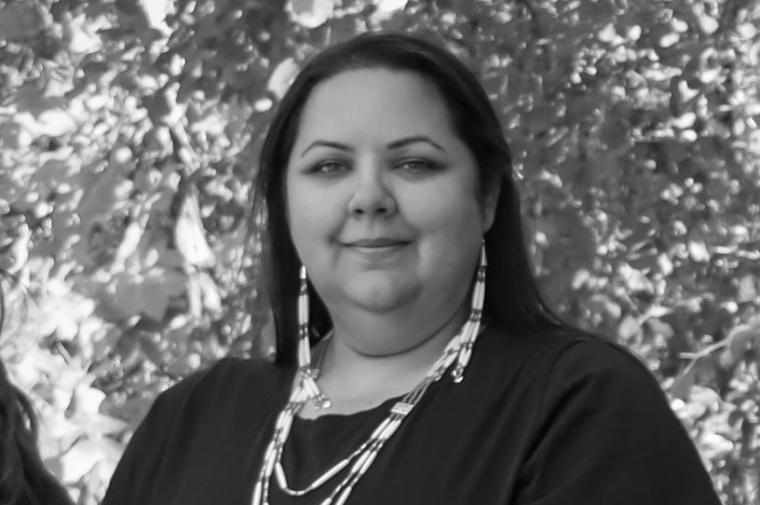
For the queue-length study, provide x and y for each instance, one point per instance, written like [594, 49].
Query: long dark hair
[513, 301]
[24, 479]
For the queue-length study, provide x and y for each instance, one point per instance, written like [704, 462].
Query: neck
[371, 359]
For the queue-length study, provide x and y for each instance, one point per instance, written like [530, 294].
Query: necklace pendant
[321, 402]
[458, 374]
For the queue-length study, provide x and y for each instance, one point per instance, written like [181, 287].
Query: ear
[490, 201]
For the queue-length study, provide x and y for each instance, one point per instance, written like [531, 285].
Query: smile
[377, 245]
[377, 242]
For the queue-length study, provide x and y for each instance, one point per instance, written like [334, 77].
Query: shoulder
[588, 358]
[235, 394]
[569, 362]
[596, 375]
[544, 350]
[565, 349]
[600, 411]
[241, 373]
[224, 382]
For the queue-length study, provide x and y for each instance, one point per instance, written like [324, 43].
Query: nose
[372, 197]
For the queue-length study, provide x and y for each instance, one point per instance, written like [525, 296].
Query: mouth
[377, 243]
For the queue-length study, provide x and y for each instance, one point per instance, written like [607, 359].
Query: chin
[380, 296]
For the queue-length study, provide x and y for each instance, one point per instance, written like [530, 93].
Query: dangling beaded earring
[356, 464]
[472, 326]
[307, 374]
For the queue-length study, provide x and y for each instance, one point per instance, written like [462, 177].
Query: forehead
[391, 102]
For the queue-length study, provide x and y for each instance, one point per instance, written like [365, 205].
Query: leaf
[614, 133]
[19, 23]
[608, 33]
[344, 28]
[14, 255]
[158, 288]
[595, 171]
[133, 234]
[542, 118]
[189, 234]
[14, 135]
[707, 397]
[740, 339]
[53, 123]
[212, 299]
[145, 15]
[143, 293]
[156, 11]
[707, 23]
[62, 171]
[698, 251]
[688, 411]
[161, 104]
[32, 98]
[628, 328]
[682, 385]
[63, 310]
[311, 13]
[635, 279]
[603, 304]
[580, 107]
[152, 349]
[714, 446]
[656, 311]
[103, 194]
[86, 400]
[385, 9]
[661, 328]
[747, 289]
[669, 39]
[194, 298]
[710, 75]
[84, 41]
[79, 460]
[747, 30]
[282, 77]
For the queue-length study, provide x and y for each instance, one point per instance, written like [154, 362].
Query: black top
[537, 420]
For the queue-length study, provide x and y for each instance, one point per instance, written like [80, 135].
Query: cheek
[294, 215]
[454, 231]
[305, 242]
[452, 251]
[303, 225]
[450, 212]
[311, 217]
[296, 203]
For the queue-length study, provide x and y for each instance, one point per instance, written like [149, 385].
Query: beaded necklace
[305, 389]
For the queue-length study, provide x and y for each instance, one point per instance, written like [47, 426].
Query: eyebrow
[326, 143]
[396, 144]
[414, 139]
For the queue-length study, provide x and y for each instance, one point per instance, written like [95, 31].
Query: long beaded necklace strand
[305, 389]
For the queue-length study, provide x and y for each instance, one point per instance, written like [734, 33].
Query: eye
[417, 165]
[329, 168]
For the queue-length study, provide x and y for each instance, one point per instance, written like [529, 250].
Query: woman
[400, 378]
[24, 480]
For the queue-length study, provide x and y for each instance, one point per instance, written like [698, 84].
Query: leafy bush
[129, 132]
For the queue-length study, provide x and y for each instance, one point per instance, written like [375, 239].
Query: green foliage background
[128, 133]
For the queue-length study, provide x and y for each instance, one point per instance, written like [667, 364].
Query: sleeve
[606, 435]
[134, 480]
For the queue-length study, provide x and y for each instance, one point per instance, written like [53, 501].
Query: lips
[377, 243]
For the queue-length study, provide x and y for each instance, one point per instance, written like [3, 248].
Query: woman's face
[383, 198]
